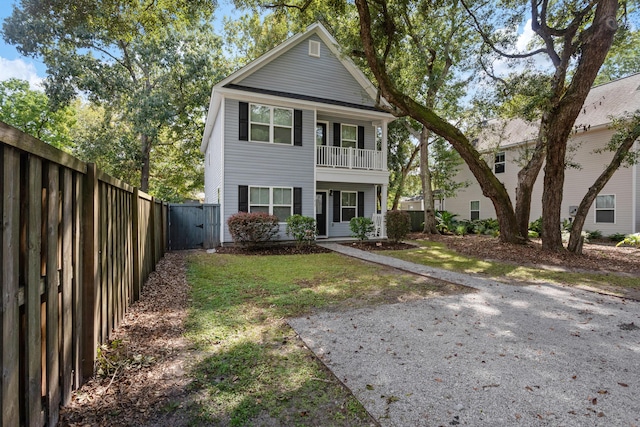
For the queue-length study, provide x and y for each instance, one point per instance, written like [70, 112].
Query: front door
[321, 213]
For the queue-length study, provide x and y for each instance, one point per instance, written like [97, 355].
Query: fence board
[78, 235]
[52, 283]
[10, 229]
[67, 286]
[33, 262]
[90, 271]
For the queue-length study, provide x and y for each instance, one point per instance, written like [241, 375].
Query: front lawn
[255, 370]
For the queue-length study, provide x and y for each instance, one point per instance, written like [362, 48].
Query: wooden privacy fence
[76, 247]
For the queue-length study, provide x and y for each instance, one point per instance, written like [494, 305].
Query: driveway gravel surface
[538, 355]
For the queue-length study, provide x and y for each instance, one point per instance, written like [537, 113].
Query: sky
[12, 64]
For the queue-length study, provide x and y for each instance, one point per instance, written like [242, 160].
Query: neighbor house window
[475, 209]
[349, 136]
[272, 200]
[606, 208]
[348, 205]
[499, 162]
[270, 124]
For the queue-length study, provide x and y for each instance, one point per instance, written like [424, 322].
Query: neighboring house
[416, 203]
[615, 210]
[297, 131]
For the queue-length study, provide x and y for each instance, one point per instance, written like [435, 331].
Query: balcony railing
[349, 158]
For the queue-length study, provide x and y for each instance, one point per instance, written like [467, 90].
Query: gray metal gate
[194, 226]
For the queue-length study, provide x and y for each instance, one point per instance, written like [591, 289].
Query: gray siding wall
[296, 72]
[341, 229]
[269, 165]
[369, 130]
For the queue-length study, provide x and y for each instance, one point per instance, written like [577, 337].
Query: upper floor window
[270, 124]
[272, 200]
[349, 136]
[606, 208]
[499, 163]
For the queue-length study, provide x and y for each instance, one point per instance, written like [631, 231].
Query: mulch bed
[380, 246]
[273, 250]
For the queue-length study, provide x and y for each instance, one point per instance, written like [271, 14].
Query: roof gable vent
[314, 48]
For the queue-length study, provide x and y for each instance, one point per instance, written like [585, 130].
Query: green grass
[256, 370]
[435, 254]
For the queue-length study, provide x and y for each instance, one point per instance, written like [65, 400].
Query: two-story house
[505, 144]
[298, 131]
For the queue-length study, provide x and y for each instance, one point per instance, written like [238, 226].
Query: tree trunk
[627, 142]
[145, 149]
[561, 118]
[425, 178]
[527, 177]
[403, 178]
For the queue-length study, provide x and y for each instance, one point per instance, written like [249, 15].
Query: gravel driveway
[505, 355]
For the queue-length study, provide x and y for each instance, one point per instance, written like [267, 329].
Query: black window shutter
[297, 127]
[243, 198]
[243, 119]
[336, 135]
[360, 203]
[361, 137]
[336, 206]
[297, 201]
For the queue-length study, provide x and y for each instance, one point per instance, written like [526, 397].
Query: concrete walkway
[538, 355]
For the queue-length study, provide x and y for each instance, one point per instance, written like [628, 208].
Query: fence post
[152, 230]
[91, 277]
[135, 242]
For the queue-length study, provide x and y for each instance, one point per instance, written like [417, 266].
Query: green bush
[252, 229]
[616, 237]
[536, 226]
[302, 229]
[446, 221]
[461, 230]
[631, 240]
[596, 234]
[361, 227]
[398, 225]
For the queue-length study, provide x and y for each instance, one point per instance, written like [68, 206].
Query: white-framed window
[270, 124]
[276, 201]
[606, 208]
[348, 205]
[474, 210]
[499, 163]
[349, 136]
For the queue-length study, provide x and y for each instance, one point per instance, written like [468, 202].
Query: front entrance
[321, 213]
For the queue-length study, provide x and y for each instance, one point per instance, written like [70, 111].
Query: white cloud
[524, 39]
[20, 69]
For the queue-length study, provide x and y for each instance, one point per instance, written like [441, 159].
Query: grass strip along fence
[76, 248]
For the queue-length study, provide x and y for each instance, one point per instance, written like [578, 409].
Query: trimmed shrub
[616, 237]
[251, 229]
[302, 229]
[536, 226]
[594, 235]
[398, 225]
[361, 227]
[631, 240]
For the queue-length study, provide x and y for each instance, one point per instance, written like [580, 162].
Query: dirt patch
[143, 379]
[380, 246]
[600, 257]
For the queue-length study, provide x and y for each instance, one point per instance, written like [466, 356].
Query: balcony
[350, 158]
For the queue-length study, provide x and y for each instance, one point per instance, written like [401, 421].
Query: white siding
[577, 182]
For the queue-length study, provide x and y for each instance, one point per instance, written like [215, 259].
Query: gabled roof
[604, 102]
[234, 81]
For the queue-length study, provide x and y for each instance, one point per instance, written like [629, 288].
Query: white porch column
[384, 151]
[383, 209]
